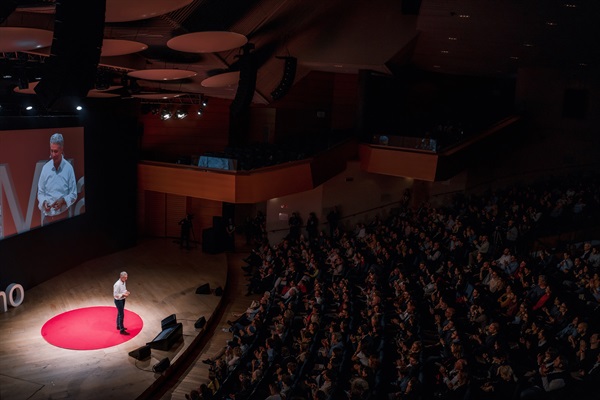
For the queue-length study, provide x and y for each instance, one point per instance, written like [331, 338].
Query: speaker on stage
[219, 291]
[141, 353]
[200, 323]
[162, 365]
[203, 289]
[168, 322]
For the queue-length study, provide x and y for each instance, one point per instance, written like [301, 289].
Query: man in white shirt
[57, 188]
[120, 293]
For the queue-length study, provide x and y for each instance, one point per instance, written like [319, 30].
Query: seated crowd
[459, 302]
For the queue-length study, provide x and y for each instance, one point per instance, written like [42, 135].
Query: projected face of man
[56, 153]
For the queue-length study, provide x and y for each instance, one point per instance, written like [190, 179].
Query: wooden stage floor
[162, 280]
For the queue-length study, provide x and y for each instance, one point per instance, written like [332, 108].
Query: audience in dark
[457, 302]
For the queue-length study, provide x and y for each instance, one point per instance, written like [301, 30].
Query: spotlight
[79, 108]
[181, 114]
[200, 112]
[166, 114]
[29, 108]
[202, 101]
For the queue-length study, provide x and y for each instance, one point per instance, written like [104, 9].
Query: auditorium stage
[162, 280]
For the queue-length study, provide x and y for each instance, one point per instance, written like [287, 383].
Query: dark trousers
[120, 312]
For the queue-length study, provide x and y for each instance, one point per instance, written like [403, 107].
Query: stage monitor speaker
[219, 291]
[168, 322]
[162, 365]
[167, 338]
[200, 323]
[141, 353]
[203, 289]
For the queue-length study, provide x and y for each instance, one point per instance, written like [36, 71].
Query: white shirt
[119, 289]
[56, 183]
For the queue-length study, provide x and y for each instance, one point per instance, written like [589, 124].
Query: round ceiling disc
[207, 42]
[222, 80]
[14, 39]
[135, 10]
[156, 96]
[162, 74]
[117, 47]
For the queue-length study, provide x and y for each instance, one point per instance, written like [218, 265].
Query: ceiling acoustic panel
[118, 47]
[13, 39]
[135, 10]
[222, 80]
[162, 74]
[157, 96]
[207, 42]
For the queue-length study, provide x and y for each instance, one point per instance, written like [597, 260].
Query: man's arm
[71, 196]
[41, 195]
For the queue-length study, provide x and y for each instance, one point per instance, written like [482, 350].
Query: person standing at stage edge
[120, 293]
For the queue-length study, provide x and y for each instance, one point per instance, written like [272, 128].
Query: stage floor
[162, 281]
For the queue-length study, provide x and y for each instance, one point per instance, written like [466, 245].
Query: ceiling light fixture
[181, 114]
[166, 114]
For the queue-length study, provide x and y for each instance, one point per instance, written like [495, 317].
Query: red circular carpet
[90, 328]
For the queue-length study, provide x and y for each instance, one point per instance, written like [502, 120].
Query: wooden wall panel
[203, 210]
[175, 210]
[154, 221]
[397, 162]
[187, 181]
[268, 183]
[164, 211]
[244, 187]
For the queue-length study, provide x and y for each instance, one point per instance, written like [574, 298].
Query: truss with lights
[184, 99]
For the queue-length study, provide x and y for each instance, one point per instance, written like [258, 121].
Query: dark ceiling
[465, 37]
